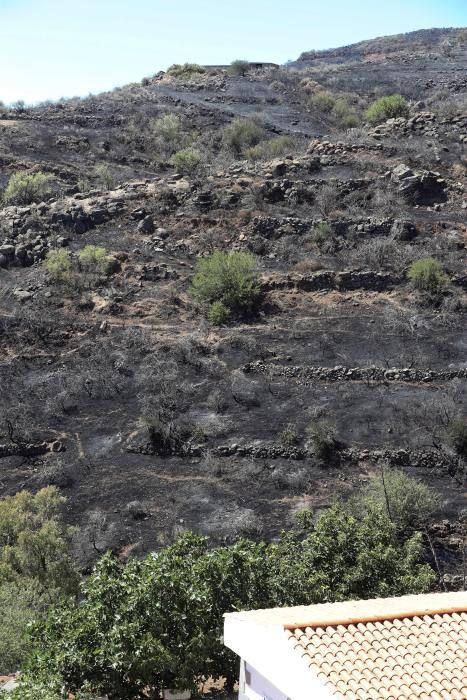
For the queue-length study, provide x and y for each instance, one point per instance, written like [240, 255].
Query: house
[412, 647]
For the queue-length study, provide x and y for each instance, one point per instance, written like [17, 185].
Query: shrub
[427, 275]
[323, 100]
[186, 71]
[58, 264]
[289, 436]
[386, 108]
[167, 132]
[346, 114]
[94, 259]
[457, 432]
[270, 149]
[408, 502]
[228, 278]
[322, 233]
[242, 133]
[321, 438]
[186, 161]
[24, 188]
[239, 67]
[218, 313]
[103, 174]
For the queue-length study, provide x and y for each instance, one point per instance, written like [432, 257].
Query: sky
[62, 48]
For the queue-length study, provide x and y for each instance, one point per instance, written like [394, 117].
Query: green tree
[427, 275]
[387, 108]
[408, 502]
[226, 278]
[158, 622]
[24, 188]
[34, 542]
[20, 603]
[239, 67]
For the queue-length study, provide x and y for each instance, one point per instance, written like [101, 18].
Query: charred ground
[341, 340]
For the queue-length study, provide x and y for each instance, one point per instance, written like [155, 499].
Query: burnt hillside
[150, 419]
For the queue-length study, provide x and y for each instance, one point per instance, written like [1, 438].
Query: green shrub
[241, 134]
[104, 176]
[186, 71]
[167, 132]
[457, 432]
[228, 278]
[323, 100]
[272, 148]
[322, 233]
[24, 188]
[218, 313]
[186, 161]
[289, 436]
[408, 502]
[386, 108]
[239, 67]
[427, 275]
[94, 259]
[321, 438]
[58, 264]
[20, 602]
[346, 114]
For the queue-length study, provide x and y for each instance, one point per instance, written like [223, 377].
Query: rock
[146, 225]
[401, 172]
[22, 295]
[403, 230]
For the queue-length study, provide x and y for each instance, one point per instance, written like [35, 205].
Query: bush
[289, 436]
[346, 114]
[272, 148]
[58, 264]
[427, 275]
[242, 133]
[103, 174]
[218, 313]
[186, 71]
[239, 67]
[321, 438]
[186, 161]
[323, 100]
[386, 108]
[20, 604]
[322, 233]
[408, 502]
[226, 278]
[457, 432]
[24, 188]
[94, 259]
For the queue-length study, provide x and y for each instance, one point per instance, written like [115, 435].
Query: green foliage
[408, 502]
[457, 432]
[18, 603]
[24, 188]
[347, 115]
[186, 71]
[323, 100]
[272, 148]
[58, 264]
[228, 278]
[34, 541]
[322, 233]
[35, 567]
[321, 438]
[186, 161]
[103, 173]
[289, 436]
[158, 622]
[94, 259]
[241, 134]
[427, 275]
[167, 133]
[239, 67]
[387, 108]
[218, 313]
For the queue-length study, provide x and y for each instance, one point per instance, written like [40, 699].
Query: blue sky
[54, 48]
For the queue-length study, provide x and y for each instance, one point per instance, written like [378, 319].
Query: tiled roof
[397, 650]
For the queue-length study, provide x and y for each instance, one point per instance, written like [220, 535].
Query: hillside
[149, 418]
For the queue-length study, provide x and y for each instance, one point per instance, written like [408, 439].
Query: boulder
[403, 230]
[146, 225]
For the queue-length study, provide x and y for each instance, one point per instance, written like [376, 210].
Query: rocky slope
[342, 339]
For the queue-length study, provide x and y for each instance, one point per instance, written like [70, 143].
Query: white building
[413, 647]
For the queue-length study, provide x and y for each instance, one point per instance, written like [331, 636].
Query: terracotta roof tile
[418, 657]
